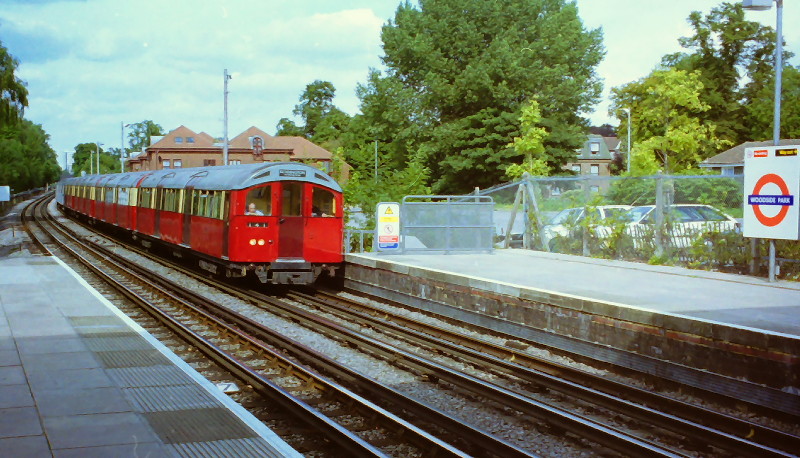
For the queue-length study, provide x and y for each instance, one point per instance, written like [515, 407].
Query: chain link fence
[695, 221]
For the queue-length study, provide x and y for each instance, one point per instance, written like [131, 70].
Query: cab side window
[323, 203]
[261, 199]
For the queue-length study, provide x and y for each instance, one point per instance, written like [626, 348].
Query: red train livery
[282, 221]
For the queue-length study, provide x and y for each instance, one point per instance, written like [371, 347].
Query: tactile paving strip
[197, 425]
[237, 448]
[167, 398]
[128, 377]
[134, 358]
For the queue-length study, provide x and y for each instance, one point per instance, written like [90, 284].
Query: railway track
[344, 423]
[345, 321]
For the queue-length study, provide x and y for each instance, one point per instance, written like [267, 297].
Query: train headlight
[253, 242]
[261, 242]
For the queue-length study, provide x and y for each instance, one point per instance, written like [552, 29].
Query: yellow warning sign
[388, 211]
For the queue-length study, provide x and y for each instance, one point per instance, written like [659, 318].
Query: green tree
[669, 121]
[724, 47]
[287, 128]
[140, 133]
[530, 144]
[13, 93]
[465, 67]
[26, 159]
[760, 105]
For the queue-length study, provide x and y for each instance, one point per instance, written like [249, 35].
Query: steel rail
[727, 432]
[345, 439]
[210, 310]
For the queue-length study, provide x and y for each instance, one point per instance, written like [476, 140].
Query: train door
[290, 236]
[187, 215]
[159, 192]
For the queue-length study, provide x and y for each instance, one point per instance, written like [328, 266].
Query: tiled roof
[735, 155]
[243, 140]
[585, 153]
[183, 137]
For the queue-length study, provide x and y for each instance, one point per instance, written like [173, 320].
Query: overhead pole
[225, 120]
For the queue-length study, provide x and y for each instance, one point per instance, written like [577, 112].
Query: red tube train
[281, 221]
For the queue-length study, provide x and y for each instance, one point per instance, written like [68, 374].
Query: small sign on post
[771, 188]
[387, 226]
[5, 193]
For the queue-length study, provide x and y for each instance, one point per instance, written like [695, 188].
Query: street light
[763, 5]
[98, 145]
[628, 110]
[122, 146]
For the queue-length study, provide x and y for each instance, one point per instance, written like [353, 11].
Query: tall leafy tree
[140, 133]
[670, 121]
[13, 93]
[531, 144]
[26, 159]
[467, 67]
[723, 48]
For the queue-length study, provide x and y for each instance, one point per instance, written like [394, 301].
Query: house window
[234, 162]
[178, 139]
[189, 139]
[209, 162]
[727, 171]
[594, 147]
[576, 168]
[594, 169]
[177, 163]
[165, 164]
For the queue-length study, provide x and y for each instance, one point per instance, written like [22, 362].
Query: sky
[93, 65]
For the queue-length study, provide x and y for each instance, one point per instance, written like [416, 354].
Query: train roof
[215, 178]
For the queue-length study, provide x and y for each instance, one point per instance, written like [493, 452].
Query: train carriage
[282, 222]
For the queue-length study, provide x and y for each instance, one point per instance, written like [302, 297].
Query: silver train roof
[214, 178]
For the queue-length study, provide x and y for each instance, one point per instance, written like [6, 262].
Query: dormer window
[178, 139]
[189, 139]
[594, 147]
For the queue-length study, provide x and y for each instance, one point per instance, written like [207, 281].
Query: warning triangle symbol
[388, 211]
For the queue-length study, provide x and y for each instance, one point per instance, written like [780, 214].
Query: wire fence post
[659, 235]
[585, 225]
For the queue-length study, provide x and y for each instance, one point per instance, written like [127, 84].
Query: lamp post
[122, 146]
[628, 110]
[98, 145]
[763, 5]
[225, 119]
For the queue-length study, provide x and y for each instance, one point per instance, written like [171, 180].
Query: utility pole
[225, 120]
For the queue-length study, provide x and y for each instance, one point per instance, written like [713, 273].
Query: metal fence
[447, 223]
[689, 220]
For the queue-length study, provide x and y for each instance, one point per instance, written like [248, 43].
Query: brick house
[731, 161]
[594, 159]
[184, 148]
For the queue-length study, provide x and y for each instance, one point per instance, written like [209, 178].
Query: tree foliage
[26, 159]
[530, 144]
[13, 93]
[464, 69]
[140, 133]
[669, 120]
[84, 152]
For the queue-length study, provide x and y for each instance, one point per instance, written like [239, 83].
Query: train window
[109, 195]
[292, 199]
[226, 202]
[146, 198]
[322, 203]
[262, 199]
[124, 196]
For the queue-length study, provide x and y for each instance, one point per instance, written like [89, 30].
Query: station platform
[681, 322]
[79, 378]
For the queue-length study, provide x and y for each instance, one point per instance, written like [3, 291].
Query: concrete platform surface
[79, 378]
[736, 300]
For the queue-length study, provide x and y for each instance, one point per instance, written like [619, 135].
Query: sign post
[771, 189]
[387, 227]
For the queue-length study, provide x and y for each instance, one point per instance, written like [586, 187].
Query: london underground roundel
[771, 185]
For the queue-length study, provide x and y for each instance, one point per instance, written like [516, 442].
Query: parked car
[568, 220]
[684, 222]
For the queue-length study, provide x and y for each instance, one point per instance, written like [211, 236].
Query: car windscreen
[636, 213]
[615, 213]
[711, 214]
[568, 216]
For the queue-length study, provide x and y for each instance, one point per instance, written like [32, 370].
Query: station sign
[387, 226]
[771, 189]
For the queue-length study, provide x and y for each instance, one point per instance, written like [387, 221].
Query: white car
[684, 222]
[565, 223]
